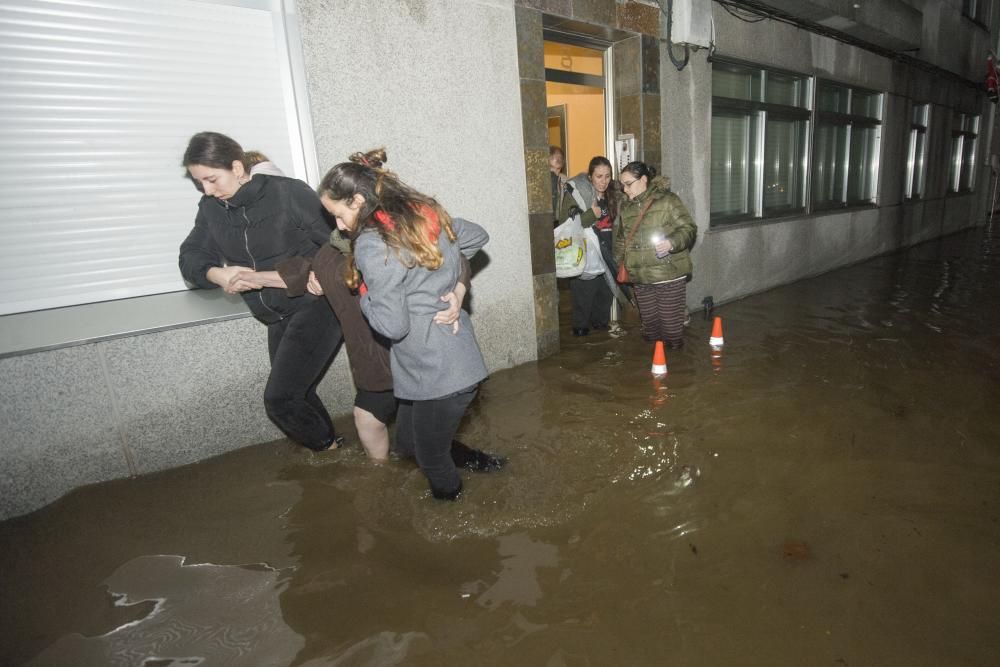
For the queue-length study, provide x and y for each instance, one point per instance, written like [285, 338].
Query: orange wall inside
[584, 123]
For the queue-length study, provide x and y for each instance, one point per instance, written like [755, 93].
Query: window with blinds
[760, 131]
[846, 146]
[732, 170]
[964, 142]
[916, 152]
[97, 102]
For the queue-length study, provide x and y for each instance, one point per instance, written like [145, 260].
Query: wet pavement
[826, 491]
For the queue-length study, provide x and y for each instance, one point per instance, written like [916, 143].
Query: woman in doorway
[244, 227]
[408, 250]
[653, 237]
[593, 197]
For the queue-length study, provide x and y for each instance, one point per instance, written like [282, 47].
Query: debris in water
[796, 550]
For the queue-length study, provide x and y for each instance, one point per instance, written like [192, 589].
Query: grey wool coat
[428, 361]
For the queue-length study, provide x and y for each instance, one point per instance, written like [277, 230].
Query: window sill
[800, 215]
[25, 333]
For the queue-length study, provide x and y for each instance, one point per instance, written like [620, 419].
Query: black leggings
[301, 347]
[425, 429]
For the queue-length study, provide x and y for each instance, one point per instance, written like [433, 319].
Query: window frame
[915, 174]
[978, 11]
[34, 330]
[959, 165]
[852, 121]
[757, 113]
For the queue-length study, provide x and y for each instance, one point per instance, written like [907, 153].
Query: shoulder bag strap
[635, 227]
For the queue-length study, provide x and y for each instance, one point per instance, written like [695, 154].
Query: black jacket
[269, 219]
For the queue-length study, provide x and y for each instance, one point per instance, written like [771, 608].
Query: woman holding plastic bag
[591, 197]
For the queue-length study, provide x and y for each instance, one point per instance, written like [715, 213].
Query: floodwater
[824, 492]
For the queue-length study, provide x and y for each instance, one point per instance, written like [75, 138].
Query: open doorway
[576, 94]
[580, 109]
[630, 93]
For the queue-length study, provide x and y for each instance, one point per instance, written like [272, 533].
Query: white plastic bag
[594, 263]
[570, 247]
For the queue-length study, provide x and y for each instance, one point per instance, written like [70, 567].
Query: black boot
[336, 442]
[447, 495]
[474, 459]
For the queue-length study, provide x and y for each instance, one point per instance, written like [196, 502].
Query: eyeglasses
[629, 184]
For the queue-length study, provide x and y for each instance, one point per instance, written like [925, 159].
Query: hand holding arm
[313, 285]
[248, 279]
[223, 276]
[450, 315]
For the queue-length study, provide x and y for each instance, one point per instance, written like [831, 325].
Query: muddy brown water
[826, 492]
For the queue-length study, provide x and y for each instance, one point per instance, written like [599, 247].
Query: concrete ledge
[41, 330]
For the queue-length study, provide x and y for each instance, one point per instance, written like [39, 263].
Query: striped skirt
[662, 309]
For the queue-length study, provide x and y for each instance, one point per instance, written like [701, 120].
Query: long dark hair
[213, 149]
[611, 194]
[415, 219]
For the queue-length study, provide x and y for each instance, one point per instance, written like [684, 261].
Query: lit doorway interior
[576, 84]
[580, 116]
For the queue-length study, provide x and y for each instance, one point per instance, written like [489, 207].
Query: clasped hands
[236, 279]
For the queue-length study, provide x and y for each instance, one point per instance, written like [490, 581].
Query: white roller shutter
[97, 101]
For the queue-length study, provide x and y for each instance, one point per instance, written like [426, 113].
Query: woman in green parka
[653, 238]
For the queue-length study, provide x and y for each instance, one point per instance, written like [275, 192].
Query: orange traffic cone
[716, 340]
[659, 359]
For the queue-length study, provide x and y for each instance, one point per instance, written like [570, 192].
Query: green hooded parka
[666, 218]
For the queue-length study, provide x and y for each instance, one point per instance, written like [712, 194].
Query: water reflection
[198, 614]
[517, 583]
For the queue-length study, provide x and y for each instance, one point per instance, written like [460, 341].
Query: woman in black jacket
[244, 227]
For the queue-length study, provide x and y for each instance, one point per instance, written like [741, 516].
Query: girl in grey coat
[408, 249]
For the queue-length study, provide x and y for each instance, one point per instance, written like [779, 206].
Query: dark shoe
[580, 332]
[447, 495]
[474, 459]
[335, 443]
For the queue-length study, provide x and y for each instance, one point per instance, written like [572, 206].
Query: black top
[269, 219]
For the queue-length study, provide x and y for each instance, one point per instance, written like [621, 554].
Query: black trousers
[591, 302]
[301, 348]
[425, 429]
